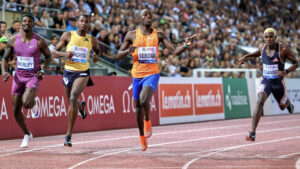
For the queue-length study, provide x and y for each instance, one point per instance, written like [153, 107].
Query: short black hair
[15, 21]
[28, 15]
[85, 15]
[53, 36]
[2, 22]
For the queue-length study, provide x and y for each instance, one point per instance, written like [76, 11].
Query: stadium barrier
[110, 104]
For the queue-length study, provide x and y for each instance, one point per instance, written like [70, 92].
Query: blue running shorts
[139, 83]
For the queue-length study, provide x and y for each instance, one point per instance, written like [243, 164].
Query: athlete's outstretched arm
[125, 48]
[65, 38]
[8, 53]
[96, 49]
[253, 54]
[164, 39]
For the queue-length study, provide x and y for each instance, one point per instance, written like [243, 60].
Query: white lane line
[129, 137]
[78, 164]
[235, 147]
[287, 155]
[176, 142]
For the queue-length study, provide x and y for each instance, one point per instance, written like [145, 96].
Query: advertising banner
[236, 98]
[190, 99]
[109, 105]
[208, 98]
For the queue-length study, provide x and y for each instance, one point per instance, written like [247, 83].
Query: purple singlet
[27, 63]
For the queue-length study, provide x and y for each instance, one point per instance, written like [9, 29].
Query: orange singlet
[145, 55]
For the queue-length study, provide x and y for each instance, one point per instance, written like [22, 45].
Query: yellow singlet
[81, 46]
[145, 55]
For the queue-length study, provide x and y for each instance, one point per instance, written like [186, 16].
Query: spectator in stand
[184, 69]
[11, 5]
[15, 28]
[2, 28]
[46, 19]
[55, 4]
[59, 21]
[36, 14]
[57, 63]
[101, 39]
[97, 28]
[24, 7]
[72, 25]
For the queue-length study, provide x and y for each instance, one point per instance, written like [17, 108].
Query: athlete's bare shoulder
[130, 35]
[41, 42]
[11, 41]
[161, 35]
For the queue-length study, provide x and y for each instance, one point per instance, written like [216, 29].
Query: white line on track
[287, 155]
[235, 147]
[129, 137]
[185, 141]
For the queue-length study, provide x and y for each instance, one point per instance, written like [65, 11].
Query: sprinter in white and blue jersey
[274, 56]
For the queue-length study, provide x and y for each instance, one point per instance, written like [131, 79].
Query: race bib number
[147, 54]
[80, 54]
[26, 63]
[270, 70]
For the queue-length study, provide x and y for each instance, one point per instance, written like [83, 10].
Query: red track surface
[215, 144]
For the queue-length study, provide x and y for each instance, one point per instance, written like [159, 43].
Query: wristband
[186, 46]
[42, 71]
[287, 71]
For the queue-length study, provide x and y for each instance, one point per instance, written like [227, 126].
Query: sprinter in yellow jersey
[142, 44]
[77, 74]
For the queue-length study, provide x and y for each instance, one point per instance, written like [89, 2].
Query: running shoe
[144, 143]
[250, 137]
[26, 139]
[82, 112]
[147, 128]
[291, 108]
[68, 142]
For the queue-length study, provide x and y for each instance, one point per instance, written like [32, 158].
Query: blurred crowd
[222, 27]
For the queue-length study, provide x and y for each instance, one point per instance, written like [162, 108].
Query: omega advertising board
[109, 105]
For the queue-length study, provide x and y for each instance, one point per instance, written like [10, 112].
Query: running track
[207, 145]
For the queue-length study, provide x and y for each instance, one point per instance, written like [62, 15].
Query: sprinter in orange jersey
[143, 44]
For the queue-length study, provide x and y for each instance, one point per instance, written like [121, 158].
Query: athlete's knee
[28, 104]
[260, 101]
[144, 102]
[73, 98]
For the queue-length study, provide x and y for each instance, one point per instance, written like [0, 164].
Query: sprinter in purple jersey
[26, 48]
[274, 56]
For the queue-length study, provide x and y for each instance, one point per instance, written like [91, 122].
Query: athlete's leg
[262, 96]
[19, 116]
[143, 107]
[145, 97]
[279, 92]
[139, 114]
[68, 93]
[78, 86]
[28, 98]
